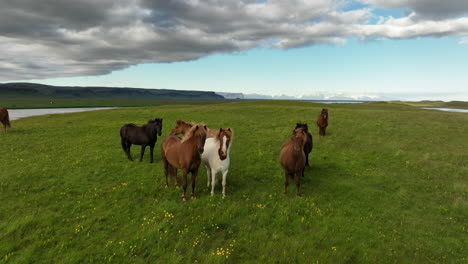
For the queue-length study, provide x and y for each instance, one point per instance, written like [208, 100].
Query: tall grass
[388, 184]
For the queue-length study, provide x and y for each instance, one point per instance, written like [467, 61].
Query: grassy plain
[388, 184]
[43, 102]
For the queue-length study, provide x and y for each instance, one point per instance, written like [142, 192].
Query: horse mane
[226, 131]
[303, 126]
[191, 132]
[180, 121]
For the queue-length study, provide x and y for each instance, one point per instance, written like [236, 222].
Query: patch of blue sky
[378, 13]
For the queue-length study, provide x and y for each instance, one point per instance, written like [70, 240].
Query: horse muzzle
[222, 154]
[201, 150]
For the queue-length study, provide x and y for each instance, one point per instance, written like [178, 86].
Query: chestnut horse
[144, 136]
[309, 143]
[182, 127]
[216, 157]
[5, 119]
[292, 158]
[185, 155]
[322, 121]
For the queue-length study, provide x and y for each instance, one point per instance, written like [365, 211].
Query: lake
[20, 113]
[448, 109]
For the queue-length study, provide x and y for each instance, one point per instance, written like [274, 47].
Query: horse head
[224, 137]
[299, 136]
[159, 124]
[181, 127]
[303, 126]
[199, 133]
[156, 125]
[325, 113]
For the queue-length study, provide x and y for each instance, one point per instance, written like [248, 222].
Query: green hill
[22, 90]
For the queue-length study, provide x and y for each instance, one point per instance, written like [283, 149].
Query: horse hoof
[184, 199]
[193, 197]
[165, 186]
[298, 195]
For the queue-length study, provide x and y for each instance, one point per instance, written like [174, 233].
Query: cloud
[49, 38]
[427, 9]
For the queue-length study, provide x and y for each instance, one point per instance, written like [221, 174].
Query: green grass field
[388, 184]
[43, 102]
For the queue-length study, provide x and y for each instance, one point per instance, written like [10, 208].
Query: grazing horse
[182, 127]
[216, 157]
[144, 136]
[5, 119]
[322, 121]
[309, 144]
[292, 158]
[185, 155]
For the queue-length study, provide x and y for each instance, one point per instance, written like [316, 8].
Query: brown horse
[322, 121]
[182, 127]
[292, 158]
[5, 119]
[185, 155]
[309, 142]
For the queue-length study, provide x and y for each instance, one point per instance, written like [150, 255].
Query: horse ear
[220, 129]
[205, 127]
[229, 129]
[196, 128]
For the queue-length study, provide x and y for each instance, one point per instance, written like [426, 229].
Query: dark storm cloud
[427, 9]
[57, 38]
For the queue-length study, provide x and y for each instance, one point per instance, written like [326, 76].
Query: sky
[383, 49]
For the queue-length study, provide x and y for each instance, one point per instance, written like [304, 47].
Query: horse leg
[286, 182]
[166, 170]
[174, 174]
[213, 181]
[224, 182]
[297, 179]
[129, 155]
[208, 175]
[194, 177]
[307, 161]
[151, 153]
[142, 152]
[124, 146]
[184, 184]
[324, 130]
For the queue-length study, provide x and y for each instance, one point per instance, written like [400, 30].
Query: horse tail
[123, 136]
[8, 120]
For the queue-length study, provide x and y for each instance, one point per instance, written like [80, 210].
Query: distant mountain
[231, 95]
[321, 96]
[34, 89]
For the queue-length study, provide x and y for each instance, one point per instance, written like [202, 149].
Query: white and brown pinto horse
[185, 155]
[216, 157]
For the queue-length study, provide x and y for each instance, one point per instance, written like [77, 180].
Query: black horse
[144, 136]
[309, 144]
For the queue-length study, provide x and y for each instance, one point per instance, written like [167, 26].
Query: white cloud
[48, 38]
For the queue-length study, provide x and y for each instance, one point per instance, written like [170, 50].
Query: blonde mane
[190, 133]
